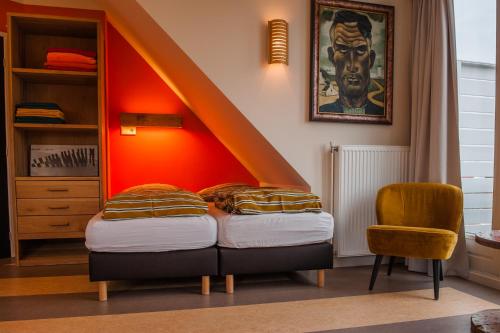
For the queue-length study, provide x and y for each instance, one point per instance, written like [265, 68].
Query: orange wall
[190, 157]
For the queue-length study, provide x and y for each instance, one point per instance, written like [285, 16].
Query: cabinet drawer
[27, 207]
[52, 224]
[56, 189]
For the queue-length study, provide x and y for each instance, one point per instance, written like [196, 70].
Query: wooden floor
[62, 296]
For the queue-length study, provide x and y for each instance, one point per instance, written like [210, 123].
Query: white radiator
[360, 171]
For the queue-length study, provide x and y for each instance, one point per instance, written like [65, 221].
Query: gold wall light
[278, 41]
[130, 121]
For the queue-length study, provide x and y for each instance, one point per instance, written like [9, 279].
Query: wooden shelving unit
[58, 178]
[40, 252]
[50, 213]
[54, 76]
[56, 127]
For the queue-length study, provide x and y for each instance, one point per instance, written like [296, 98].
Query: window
[475, 24]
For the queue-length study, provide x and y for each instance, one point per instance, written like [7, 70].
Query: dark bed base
[275, 259]
[107, 266]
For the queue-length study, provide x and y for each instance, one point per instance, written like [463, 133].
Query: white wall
[227, 39]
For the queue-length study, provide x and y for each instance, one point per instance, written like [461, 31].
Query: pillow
[221, 191]
[144, 188]
[154, 200]
[267, 200]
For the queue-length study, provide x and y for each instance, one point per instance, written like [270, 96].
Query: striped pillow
[267, 200]
[221, 191]
[145, 188]
[154, 200]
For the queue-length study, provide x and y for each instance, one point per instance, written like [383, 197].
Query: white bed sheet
[151, 234]
[271, 230]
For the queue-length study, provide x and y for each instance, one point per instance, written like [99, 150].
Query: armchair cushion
[428, 205]
[414, 242]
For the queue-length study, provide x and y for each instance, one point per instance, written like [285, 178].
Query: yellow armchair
[416, 220]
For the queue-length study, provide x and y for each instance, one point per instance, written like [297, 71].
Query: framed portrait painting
[351, 61]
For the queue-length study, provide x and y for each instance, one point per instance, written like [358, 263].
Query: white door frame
[485, 261]
[496, 165]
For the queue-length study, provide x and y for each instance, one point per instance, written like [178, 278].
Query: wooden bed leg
[205, 285]
[321, 278]
[103, 291]
[229, 284]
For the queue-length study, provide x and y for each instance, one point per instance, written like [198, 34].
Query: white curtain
[435, 152]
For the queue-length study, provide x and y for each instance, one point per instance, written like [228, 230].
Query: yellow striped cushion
[154, 200]
[156, 187]
[266, 200]
[221, 191]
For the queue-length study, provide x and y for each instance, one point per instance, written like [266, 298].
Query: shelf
[55, 76]
[57, 127]
[34, 24]
[55, 254]
[56, 258]
[58, 178]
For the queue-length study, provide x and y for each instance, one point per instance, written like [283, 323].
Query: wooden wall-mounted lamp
[278, 41]
[130, 121]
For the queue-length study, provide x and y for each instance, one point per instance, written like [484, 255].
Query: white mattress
[151, 234]
[271, 230]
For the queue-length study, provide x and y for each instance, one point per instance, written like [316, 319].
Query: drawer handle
[58, 207]
[57, 189]
[60, 225]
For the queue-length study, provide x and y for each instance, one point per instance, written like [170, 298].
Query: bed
[152, 248]
[268, 243]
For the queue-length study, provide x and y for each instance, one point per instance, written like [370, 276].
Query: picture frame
[64, 161]
[356, 40]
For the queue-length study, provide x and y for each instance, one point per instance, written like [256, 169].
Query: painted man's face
[352, 57]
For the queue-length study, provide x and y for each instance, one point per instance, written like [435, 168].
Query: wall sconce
[278, 41]
[130, 121]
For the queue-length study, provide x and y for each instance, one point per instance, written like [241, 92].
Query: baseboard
[353, 261]
[485, 279]
[483, 264]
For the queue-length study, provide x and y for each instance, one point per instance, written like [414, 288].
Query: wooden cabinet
[56, 207]
[50, 213]
[48, 227]
[57, 189]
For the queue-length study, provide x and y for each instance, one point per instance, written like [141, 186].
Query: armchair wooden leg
[441, 278]
[229, 284]
[321, 278]
[391, 262]
[376, 265]
[103, 291]
[205, 285]
[435, 276]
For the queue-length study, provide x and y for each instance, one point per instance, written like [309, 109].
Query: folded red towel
[70, 57]
[65, 68]
[86, 53]
[71, 64]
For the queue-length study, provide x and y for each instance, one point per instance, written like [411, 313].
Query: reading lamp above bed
[130, 121]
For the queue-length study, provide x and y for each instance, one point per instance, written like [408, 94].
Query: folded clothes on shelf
[38, 105]
[39, 112]
[70, 64]
[67, 68]
[39, 120]
[87, 53]
[71, 59]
